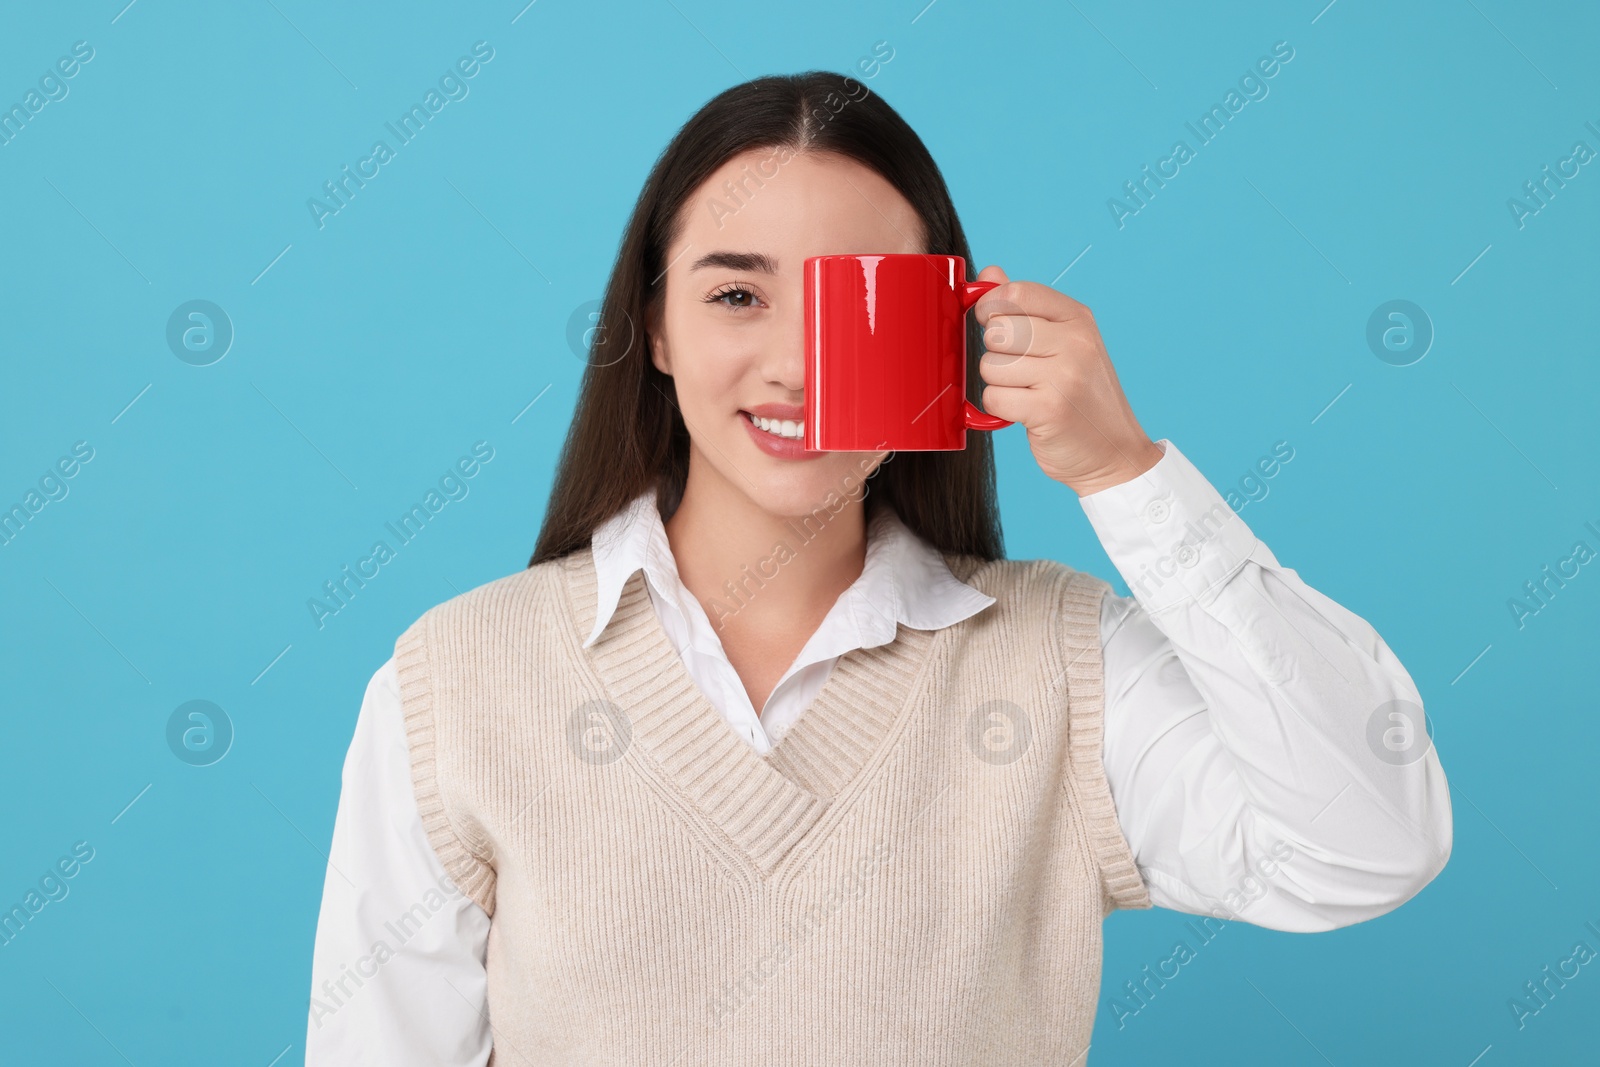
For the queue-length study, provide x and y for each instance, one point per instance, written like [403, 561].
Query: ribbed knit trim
[1078, 638]
[764, 804]
[472, 873]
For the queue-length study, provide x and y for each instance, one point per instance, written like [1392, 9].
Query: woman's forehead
[793, 205]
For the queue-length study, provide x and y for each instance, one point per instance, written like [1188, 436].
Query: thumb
[992, 273]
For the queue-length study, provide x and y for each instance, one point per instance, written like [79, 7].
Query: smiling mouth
[790, 429]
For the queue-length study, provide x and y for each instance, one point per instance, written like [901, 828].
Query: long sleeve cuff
[1169, 533]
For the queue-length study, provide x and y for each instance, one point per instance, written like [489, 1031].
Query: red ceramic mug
[886, 353]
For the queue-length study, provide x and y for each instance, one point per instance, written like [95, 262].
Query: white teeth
[780, 427]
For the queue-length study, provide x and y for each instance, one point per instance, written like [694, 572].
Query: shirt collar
[905, 580]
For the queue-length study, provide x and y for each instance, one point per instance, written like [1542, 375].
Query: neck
[757, 571]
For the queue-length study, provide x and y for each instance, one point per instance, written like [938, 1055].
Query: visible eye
[742, 298]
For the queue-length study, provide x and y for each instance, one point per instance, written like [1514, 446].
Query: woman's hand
[1047, 369]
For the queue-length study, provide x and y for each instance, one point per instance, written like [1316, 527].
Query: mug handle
[976, 419]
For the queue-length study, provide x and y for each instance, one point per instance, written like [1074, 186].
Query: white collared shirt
[1239, 705]
[903, 582]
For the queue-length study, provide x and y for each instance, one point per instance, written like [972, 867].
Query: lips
[772, 440]
[777, 411]
[790, 429]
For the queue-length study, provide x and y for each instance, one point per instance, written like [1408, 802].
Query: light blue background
[431, 311]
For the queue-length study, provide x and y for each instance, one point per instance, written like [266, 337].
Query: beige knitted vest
[916, 875]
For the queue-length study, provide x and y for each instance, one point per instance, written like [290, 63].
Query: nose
[783, 353]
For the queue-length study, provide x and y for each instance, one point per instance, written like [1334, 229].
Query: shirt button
[1187, 556]
[1157, 511]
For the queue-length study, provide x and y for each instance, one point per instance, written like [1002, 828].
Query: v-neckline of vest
[764, 804]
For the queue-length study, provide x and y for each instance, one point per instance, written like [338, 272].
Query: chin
[827, 487]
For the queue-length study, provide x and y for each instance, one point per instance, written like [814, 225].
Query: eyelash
[728, 290]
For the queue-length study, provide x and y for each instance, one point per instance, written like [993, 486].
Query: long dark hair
[627, 433]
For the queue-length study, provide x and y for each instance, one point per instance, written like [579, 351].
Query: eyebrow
[750, 261]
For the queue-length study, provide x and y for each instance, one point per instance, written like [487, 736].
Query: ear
[658, 340]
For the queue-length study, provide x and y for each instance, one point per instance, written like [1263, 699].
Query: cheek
[709, 384]
[711, 367]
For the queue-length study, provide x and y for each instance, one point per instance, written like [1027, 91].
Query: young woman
[772, 756]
